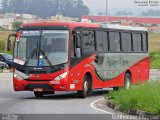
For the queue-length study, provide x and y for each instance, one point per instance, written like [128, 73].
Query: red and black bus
[75, 56]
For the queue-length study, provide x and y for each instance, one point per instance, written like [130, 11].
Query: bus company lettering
[120, 61]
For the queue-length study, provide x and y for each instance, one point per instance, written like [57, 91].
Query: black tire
[116, 88]
[127, 81]
[87, 88]
[49, 93]
[38, 94]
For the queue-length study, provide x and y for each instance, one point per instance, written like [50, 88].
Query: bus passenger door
[76, 48]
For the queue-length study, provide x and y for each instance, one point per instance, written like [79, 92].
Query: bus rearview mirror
[9, 45]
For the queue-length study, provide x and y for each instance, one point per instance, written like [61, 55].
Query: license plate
[38, 89]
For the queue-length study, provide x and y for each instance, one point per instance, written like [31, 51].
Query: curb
[154, 70]
[138, 112]
[115, 107]
[112, 105]
[101, 105]
[6, 71]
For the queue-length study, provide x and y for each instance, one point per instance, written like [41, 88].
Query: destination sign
[30, 33]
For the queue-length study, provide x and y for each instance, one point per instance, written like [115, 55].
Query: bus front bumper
[24, 85]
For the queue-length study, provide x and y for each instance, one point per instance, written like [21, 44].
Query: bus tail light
[62, 76]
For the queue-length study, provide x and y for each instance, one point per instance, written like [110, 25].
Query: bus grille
[45, 87]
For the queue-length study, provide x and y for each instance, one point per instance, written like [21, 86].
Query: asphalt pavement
[61, 103]
[25, 102]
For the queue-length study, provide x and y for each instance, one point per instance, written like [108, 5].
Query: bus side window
[99, 41]
[105, 41]
[126, 42]
[76, 48]
[114, 41]
[145, 43]
[137, 43]
[88, 43]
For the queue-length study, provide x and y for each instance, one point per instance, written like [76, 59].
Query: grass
[154, 42]
[3, 40]
[155, 59]
[143, 97]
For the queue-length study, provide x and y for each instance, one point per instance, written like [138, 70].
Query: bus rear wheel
[38, 94]
[87, 88]
[127, 81]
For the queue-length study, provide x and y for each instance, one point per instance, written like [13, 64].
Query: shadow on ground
[73, 95]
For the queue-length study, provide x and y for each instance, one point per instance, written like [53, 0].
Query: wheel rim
[85, 87]
[127, 83]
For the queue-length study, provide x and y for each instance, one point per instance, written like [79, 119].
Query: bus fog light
[62, 76]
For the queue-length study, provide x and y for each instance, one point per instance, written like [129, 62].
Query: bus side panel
[140, 71]
[78, 72]
[114, 78]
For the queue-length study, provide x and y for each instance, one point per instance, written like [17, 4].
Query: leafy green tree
[46, 8]
[5, 5]
[151, 13]
[15, 25]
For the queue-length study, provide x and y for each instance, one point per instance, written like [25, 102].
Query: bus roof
[120, 27]
[73, 25]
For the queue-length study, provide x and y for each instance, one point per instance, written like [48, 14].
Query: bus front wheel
[87, 88]
[38, 94]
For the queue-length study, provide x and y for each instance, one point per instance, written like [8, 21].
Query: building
[6, 24]
[139, 20]
[149, 22]
[62, 18]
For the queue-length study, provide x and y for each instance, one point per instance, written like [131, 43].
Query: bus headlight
[62, 76]
[17, 77]
[20, 76]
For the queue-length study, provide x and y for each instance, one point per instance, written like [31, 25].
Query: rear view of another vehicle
[3, 65]
[6, 58]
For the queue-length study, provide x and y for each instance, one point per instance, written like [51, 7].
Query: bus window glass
[20, 49]
[114, 40]
[105, 41]
[88, 44]
[137, 43]
[99, 41]
[126, 42]
[54, 44]
[145, 45]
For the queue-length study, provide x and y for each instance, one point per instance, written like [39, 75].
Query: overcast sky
[114, 6]
[118, 5]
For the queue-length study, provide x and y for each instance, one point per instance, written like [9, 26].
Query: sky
[97, 6]
[113, 6]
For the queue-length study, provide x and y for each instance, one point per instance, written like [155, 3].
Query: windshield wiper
[46, 57]
[30, 57]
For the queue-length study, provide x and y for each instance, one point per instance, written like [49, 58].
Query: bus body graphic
[113, 65]
[74, 56]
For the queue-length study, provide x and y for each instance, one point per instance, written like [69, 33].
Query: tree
[15, 25]
[46, 8]
[5, 5]
[151, 13]
[124, 13]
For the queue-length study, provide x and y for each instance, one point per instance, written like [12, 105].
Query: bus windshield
[42, 48]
